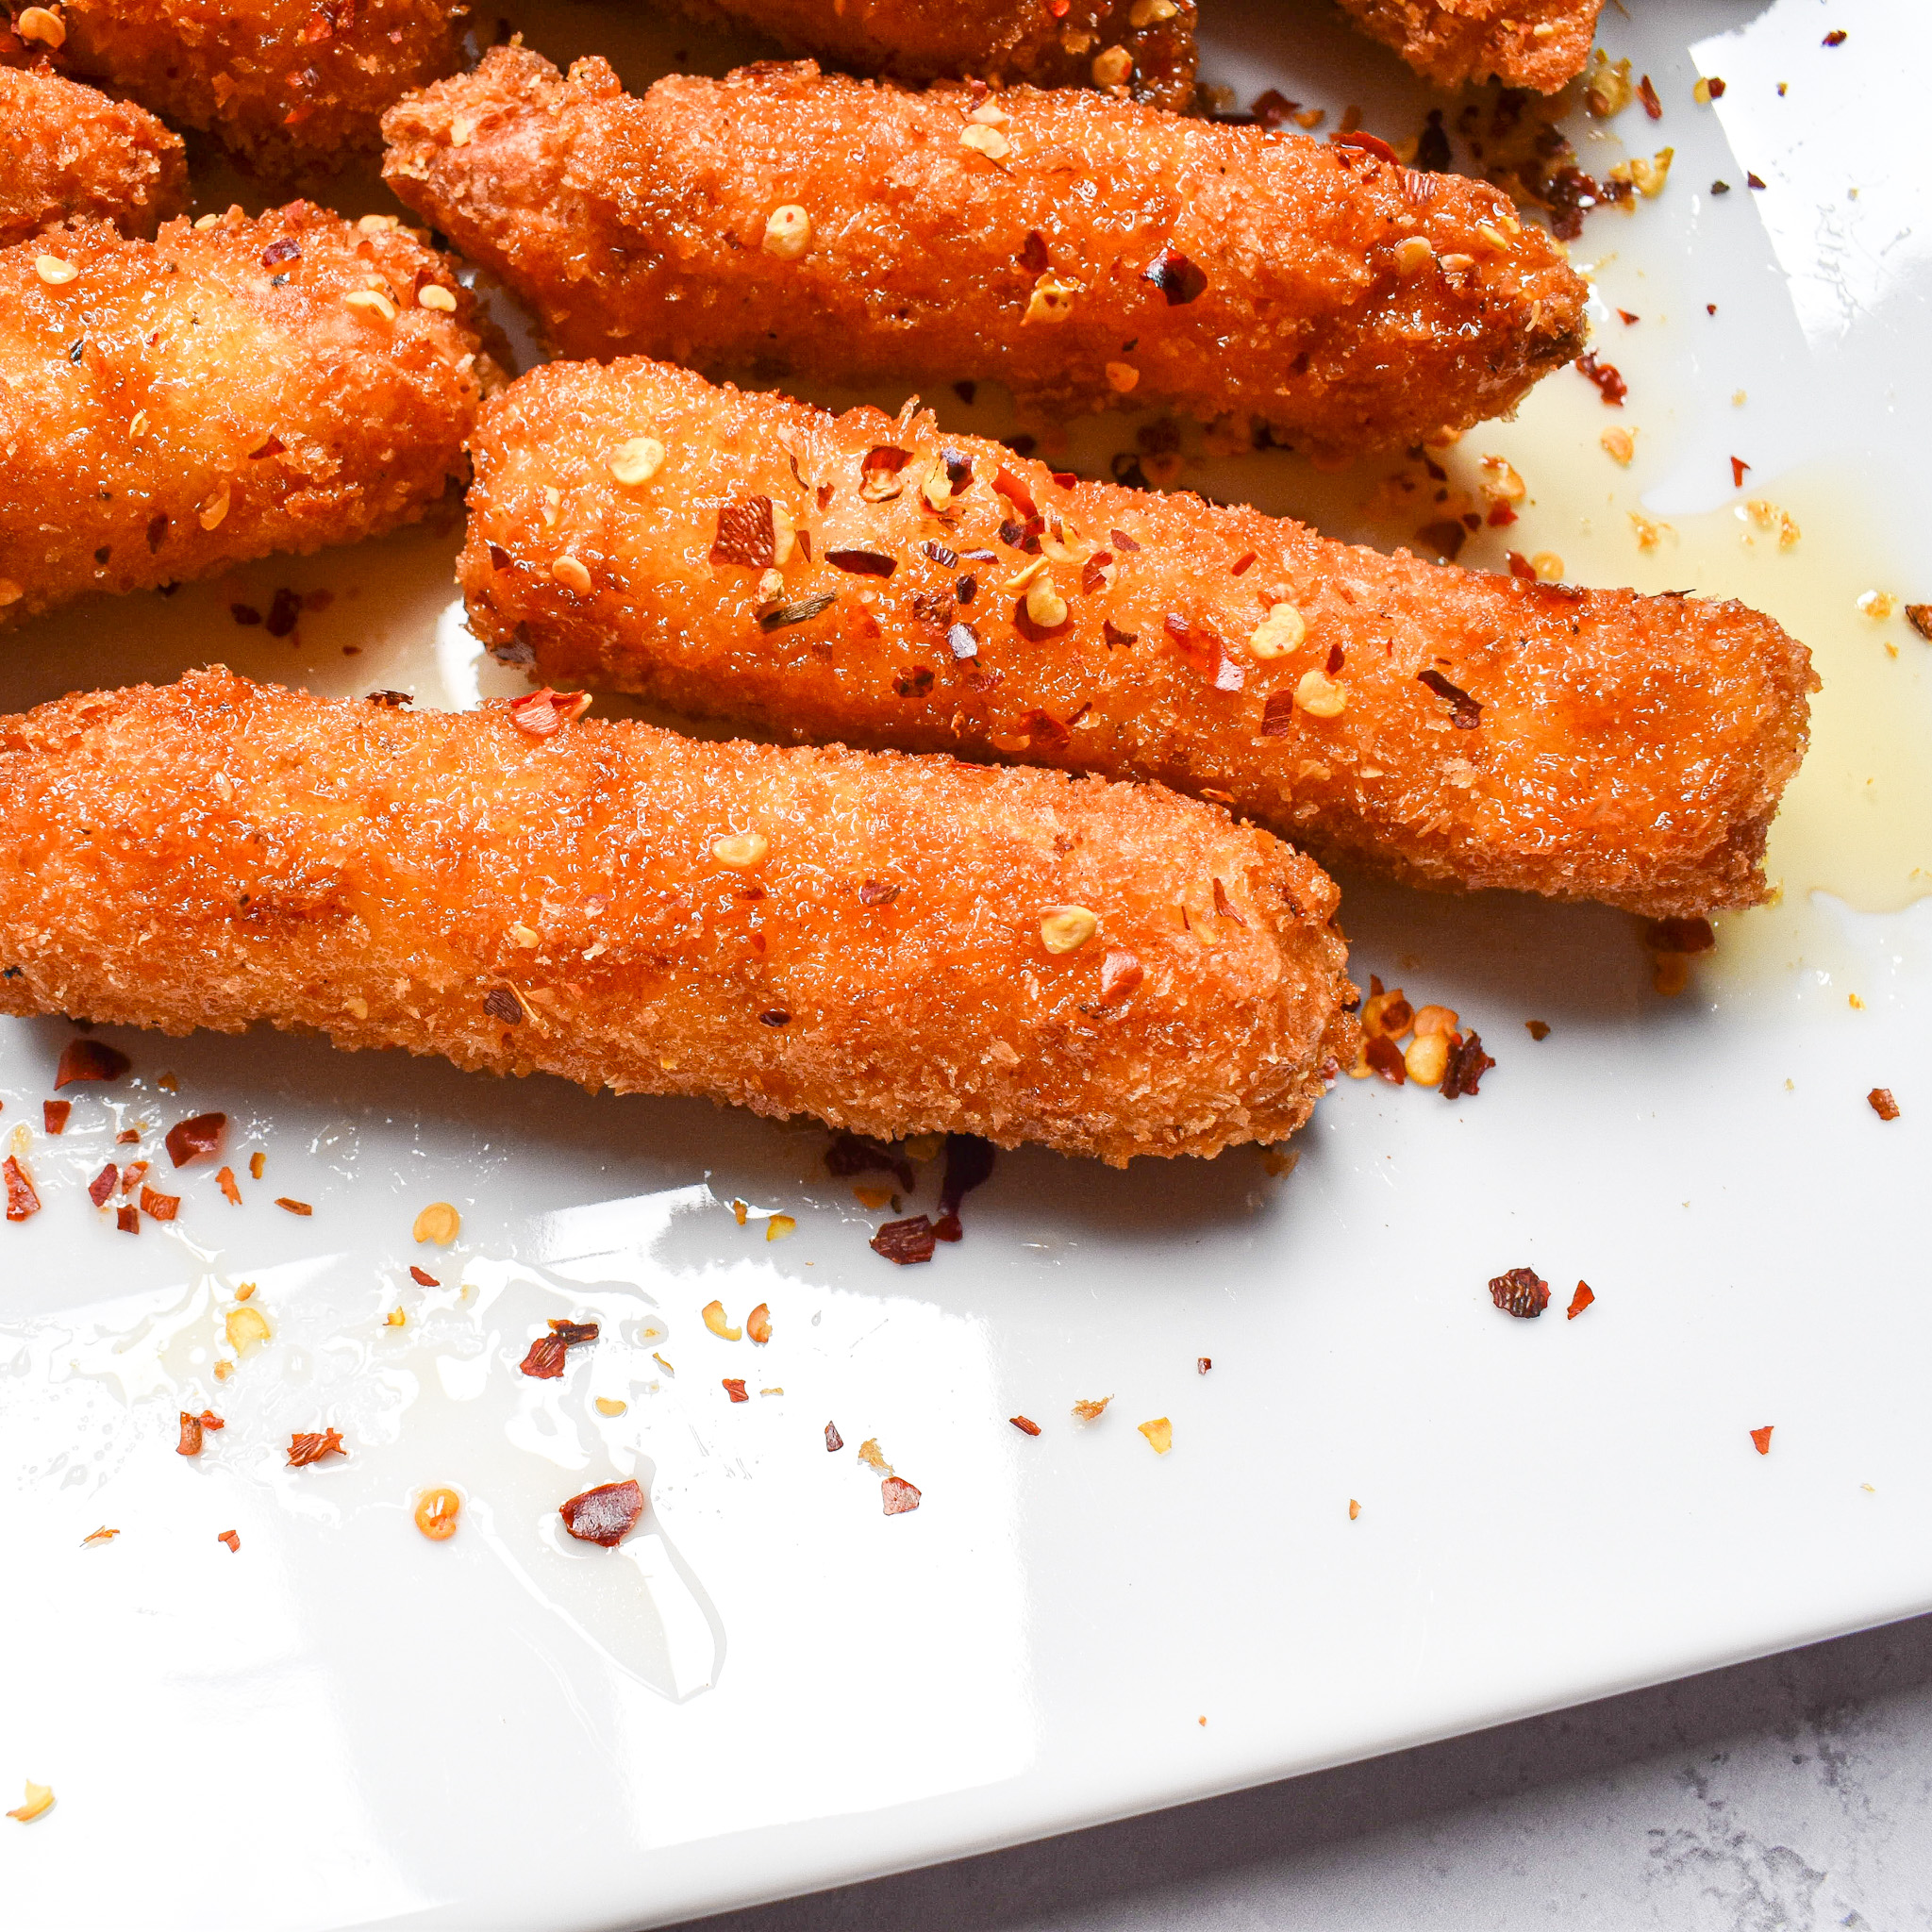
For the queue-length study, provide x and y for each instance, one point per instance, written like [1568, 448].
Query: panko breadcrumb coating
[169, 408]
[1142, 47]
[72, 152]
[1455, 42]
[1084, 251]
[893, 944]
[285, 85]
[876, 581]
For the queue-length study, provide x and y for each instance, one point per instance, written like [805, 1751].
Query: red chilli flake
[1277, 714]
[304, 1449]
[544, 1362]
[1647, 94]
[1366, 143]
[423, 1280]
[1521, 1292]
[862, 563]
[1520, 566]
[1121, 973]
[1015, 492]
[1468, 713]
[159, 1207]
[191, 1427]
[735, 1388]
[834, 1441]
[1468, 1063]
[88, 1059]
[232, 1540]
[886, 461]
[103, 1185]
[745, 534]
[1611, 384]
[21, 1199]
[1222, 906]
[604, 1515]
[293, 1206]
[1579, 1301]
[227, 1182]
[1203, 1363]
[54, 1115]
[904, 1241]
[1175, 277]
[1385, 1057]
[544, 713]
[1026, 1425]
[1882, 1104]
[1738, 468]
[198, 1135]
[1761, 1438]
[127, 1220]
[898, 1495]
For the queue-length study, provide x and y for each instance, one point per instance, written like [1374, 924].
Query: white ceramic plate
[777, 1687]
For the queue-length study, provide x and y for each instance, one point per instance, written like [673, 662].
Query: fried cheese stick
[1144, 49]
[1078, 248]
[76, 153]
[283, 84]
[1458, 42]
[170, 409]
[893, 944]
[854, 577]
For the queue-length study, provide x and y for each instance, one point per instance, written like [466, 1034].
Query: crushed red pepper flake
[1468, 1063]
[232, 1538]
[1610, 382]
[545, 713]
[1579, 1301]
[103, 1185]
[544, 1362]
[1647, 94]
[1203, 1363]
[128, 1136]
[1521, 1292]
[200, 1134]
[746, 534]
[1468, 713]
[1180, 280]
[862, 563]
[88, 1059]
[604, 1515]
[1385, 1057]
[1277, 714]
[293, 1206]
[192, 1428]
[1224, 906]
[313, 1446]
[898, 1495]
[1761, 1438]
[734, 1387]
[1026, 1425]
[423, 1279]
[834, 1441]
[130, 1176]
[21, 1199]
[1015, 492]
[127, 1220]
[227, 1182]
[1121, 973]
[906, 1242]
[1919, 617]
[1738, 468]
[159, 1207]
[54, 1115]
[1538, 1030]
[1882, 1104]
[256, 1162]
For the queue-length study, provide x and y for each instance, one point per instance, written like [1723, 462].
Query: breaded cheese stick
[1458, 43]
[170, 409]
[72, 152]
[874, 581]
[1144, 49]
[1080, 249]
[283, 84]
[893, 944]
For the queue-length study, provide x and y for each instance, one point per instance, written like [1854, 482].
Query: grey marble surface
[1775, 1796]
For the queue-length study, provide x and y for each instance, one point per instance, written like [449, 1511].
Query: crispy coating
[1455, 43]
[167, 410]
[75, 152]
[638, 223]
[998, 41]
[219, 852]
[1620, 748]
[285, 85]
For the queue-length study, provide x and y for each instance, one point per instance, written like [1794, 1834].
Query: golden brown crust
[283, 84]
[997, 40]
[1542, 45]
[1630, 749]
[636, 225]
[219, 852]
[72, 152]
[172, 408]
